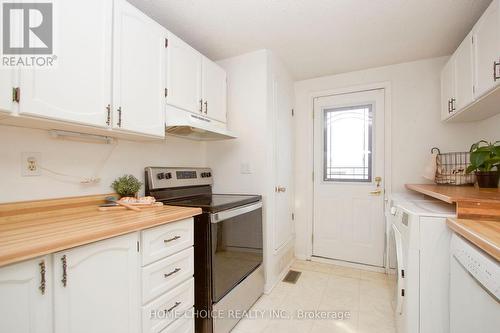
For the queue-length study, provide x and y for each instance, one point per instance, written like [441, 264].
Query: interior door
[349, 222]
[214, 90]
[283, 156]
[183, 75]
[138, 76]
[78, 88]
[96, 287]
[487, 49]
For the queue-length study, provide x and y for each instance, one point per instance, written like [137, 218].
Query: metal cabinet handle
[496, 76]
[171, 239]
[65, 273]
[119, 117]
[453, 107]
[173, 307]
[172, 272]
[376, 192]
[449, 106]
[108, 114]
[206, 107]
[42, 277]
[201, 105]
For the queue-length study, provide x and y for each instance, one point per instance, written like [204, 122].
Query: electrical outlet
[30, 164]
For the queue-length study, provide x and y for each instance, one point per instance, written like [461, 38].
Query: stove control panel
[159, 177]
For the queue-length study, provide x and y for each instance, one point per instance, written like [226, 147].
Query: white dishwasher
[474, 290]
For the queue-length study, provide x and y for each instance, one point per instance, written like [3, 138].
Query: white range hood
[195, 127]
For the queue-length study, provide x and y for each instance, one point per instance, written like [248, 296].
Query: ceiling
[320, 37]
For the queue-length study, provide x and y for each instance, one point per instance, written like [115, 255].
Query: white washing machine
[422, 242]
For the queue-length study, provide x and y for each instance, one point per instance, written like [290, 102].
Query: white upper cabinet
[487, 50]
[214, 87]
[96, 287]
[78, 89]
[473, 93]
[463, 75]
[138, 76]
[6, 90]
[183, 75]
[26, 297]
[447, 88]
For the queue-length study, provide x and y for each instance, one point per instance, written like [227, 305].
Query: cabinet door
[447, 88]
[183, 75]
[26, 297]
[139, 72]
[96, 287]
[214, 90]
[78, 88]
[6, 86]
[463, 74]
[487, 49]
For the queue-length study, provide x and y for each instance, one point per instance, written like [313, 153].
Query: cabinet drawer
[182, 325]
[165, 240]
[167, 273]
[164, 310]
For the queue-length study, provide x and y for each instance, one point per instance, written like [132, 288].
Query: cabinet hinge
[138, 247]
[166, 92]
[293, 216]
[293, 112]
[16, 94]
[166, 42]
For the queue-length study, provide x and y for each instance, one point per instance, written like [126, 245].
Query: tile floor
[324, 287]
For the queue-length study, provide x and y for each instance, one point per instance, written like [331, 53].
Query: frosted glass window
[348, 144]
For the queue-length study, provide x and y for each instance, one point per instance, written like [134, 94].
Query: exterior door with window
[349, 220]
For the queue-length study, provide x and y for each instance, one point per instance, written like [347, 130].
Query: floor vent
[292, 277]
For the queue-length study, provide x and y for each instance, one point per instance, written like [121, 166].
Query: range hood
[194, 126]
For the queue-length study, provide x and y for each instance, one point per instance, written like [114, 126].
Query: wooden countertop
[453, 194]
[35, 228]
[484, 234]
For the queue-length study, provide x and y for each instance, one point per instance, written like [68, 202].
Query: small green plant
[484, 156]
[127, 186]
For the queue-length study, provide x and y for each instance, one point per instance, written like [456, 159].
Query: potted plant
[127, 186]
[485, 161]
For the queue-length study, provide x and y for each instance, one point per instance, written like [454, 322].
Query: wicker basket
[451, 168]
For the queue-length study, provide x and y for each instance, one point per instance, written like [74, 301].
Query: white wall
[416, 128]
[82, 160]
[250, 117]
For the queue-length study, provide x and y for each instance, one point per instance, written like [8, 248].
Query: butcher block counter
[35, 228]
[484, 234]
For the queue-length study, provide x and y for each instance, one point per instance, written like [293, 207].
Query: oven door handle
[227, 214]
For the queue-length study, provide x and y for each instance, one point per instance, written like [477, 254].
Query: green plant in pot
[485, 161]
[127, 186]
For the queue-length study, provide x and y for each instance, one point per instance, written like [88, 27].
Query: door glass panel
[348, 144]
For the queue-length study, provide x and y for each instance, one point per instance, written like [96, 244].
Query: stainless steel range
[228, 243]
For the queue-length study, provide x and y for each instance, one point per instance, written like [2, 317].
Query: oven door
[236, 245]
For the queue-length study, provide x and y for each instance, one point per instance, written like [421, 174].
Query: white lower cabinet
[102, 287]
[167, 278]
[183, 325]
[167, 308]
[96, 287]
[26, 297]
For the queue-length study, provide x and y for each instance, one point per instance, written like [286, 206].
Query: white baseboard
[349, 264]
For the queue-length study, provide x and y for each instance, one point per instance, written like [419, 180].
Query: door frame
[386, 86]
